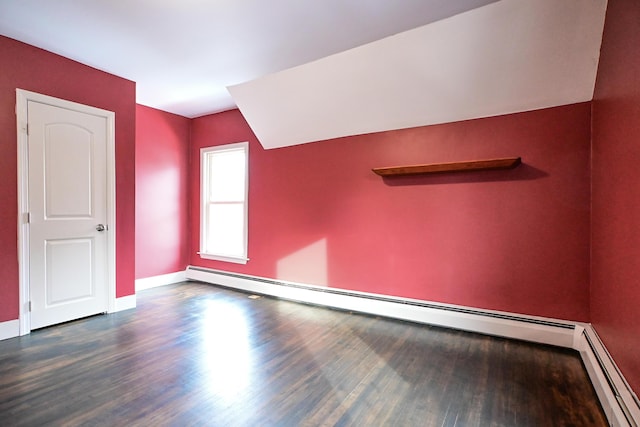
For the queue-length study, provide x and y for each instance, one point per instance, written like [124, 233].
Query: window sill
[236, 260]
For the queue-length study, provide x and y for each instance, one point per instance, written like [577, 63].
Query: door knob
[100, 227]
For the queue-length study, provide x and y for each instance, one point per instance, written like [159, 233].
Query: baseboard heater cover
[530, 328]
[618, 400]
[620, 403]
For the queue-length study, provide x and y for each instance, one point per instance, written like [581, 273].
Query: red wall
[615, 292]
[508, 240]
[33, 69]
[516, 240]
[162, 168]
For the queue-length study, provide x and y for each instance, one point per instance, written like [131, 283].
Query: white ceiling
[303, 71]
[506, 57]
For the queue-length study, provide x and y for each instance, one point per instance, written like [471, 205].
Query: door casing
[22, 98]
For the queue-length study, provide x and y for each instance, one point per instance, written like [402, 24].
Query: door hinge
[29, 306]
[26, 218]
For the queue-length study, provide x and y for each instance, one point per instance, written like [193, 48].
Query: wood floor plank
[193, 354]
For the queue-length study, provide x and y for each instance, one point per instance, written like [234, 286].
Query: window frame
[206, 153]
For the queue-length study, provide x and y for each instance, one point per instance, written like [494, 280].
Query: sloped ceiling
[308, 71]
[509, 56]
[183, 53]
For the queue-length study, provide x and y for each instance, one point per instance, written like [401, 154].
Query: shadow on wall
[524, 172]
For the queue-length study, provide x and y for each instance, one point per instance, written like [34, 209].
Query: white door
[67, 188]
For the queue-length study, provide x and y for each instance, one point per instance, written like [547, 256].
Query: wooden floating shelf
[467, 166]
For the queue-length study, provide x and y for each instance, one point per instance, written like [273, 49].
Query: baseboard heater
[620, 404]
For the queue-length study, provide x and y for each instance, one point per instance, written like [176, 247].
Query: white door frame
[22, 98]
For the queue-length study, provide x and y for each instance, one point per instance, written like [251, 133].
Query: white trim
[160, 280]
[125, 303]
[9, 329]
[575, 335]
[530, 328]
[237, 260]
[23, 208]
[206, 154]
[618, 401]
[22, 98]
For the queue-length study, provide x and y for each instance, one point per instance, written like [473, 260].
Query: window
[223, 199]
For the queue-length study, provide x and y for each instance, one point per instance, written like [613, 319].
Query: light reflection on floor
[226, 357]
[328, 363]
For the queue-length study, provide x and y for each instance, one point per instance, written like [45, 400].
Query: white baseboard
[620, 404]
[125, 303]
[530, 328]
[161, 280]
[9, 329]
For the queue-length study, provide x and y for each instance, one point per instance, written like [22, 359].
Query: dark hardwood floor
[197, 355]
